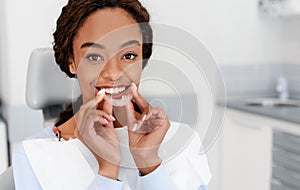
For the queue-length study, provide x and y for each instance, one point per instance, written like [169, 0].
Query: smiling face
[107, 54]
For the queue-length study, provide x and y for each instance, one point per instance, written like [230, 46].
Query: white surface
[3, 148]
[246, 154]
[51, 149]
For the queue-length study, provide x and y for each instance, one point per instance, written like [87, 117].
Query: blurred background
[256, 44]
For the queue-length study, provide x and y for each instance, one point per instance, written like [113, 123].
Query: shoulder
[24, 175]
[189, 160]
[184, 133]
[44, 133]
[47, 132]
[175, 126]
[180, 141]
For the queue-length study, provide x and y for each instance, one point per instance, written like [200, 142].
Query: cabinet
[246, 153]
[253, 152]
[286, 161]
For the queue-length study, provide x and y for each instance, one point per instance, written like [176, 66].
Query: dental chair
[49, 90]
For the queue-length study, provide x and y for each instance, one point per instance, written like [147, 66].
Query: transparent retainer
[126, 98]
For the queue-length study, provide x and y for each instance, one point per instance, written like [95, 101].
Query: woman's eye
[129, 56]
[94, 57]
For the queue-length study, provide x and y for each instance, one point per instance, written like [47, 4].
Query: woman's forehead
[109, 27]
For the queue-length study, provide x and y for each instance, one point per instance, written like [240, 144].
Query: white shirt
[184, 169]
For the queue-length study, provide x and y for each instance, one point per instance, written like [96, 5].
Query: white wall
[232, 29]
[3, 67]
[28, 24]
[290, 38]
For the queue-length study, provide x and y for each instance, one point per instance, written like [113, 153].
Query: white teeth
[114, 91]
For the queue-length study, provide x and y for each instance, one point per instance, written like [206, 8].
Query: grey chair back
[47, 87]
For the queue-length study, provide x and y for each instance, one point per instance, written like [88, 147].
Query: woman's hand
[95, 129]
[146, 132]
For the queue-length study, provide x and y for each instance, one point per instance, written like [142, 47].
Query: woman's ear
[72, 66]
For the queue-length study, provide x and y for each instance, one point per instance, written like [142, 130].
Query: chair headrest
[46, 84]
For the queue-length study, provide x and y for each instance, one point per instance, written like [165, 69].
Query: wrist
[109, 170]
[147, 165]
[148, 170]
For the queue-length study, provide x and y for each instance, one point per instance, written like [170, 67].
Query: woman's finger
[140, 101]
[158, 112]
[105, 115]
[87, 120]
[131, 113]
[94, 102]
[107, 107]
[155, 117]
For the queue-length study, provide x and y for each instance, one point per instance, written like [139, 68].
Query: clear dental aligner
[119, 102]
[126, 98]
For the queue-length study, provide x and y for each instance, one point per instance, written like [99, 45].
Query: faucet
[282, 88]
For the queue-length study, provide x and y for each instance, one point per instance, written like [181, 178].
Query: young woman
[105, 44]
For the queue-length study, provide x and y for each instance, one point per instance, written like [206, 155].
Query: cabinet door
[246, 154]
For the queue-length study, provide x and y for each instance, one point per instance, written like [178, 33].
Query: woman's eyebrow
[129, 43]
[92, 44]
[96, 45]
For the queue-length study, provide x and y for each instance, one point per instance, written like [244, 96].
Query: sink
[272, 102]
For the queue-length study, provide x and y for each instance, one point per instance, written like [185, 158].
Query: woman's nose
[111, 70]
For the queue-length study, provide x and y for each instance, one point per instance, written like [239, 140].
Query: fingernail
[112, 117]
[134, 86]
[134, 128]
[106, 121]
[102, 91]
[144, 117]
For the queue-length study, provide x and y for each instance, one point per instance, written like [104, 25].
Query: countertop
[290, 114]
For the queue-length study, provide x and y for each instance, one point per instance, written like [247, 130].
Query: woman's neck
[67, 129]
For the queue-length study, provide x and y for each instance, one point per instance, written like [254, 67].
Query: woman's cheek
[134, 72]
[87, 79]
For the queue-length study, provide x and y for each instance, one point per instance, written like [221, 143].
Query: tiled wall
[292, 73]
[259, 80]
